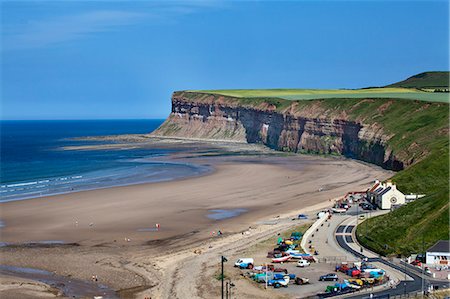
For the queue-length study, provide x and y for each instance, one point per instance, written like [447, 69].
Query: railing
[333, 259]
[311, 230]
[414, 268]
[407, 295]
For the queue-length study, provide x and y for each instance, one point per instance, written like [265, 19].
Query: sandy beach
[111, 232]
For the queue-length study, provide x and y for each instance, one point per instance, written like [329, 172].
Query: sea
[34, 164]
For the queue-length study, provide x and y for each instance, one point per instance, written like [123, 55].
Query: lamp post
[231, 285]
[404, 283]
[356, 228]
[265, 280]
[423, 241]
[223, 259]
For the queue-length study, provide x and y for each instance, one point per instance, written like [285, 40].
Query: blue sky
[122, 59]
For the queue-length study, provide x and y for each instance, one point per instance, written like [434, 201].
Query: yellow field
[309, 94]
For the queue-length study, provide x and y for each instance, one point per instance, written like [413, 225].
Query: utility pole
[223, 259]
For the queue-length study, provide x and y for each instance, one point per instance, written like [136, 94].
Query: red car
[416, 263]
[356, 273]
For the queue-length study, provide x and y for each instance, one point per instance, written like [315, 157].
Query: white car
[303, 263]
[244, 261]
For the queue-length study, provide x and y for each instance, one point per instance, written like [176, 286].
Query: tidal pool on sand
[220, 214]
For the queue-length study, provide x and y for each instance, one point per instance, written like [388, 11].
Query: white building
[439, 253]
[385, 196]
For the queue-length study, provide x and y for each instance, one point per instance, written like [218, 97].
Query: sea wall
[308, 130]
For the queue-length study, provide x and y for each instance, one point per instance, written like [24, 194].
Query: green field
[311, 94]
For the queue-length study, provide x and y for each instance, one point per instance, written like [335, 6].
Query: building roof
[385, 191]
[378, 190]
[374, 187]
[440, 246]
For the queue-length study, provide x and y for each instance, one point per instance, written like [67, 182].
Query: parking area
[327, 259]
[319, 243]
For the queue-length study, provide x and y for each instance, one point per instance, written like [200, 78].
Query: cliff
[331, 126]
[394, 133]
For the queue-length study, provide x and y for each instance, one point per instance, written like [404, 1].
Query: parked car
[302, 216]
[276, 283]
[416, 263]
[338, 210]
[329, 277]
[303, 263]
[367, 206]
[245, 263]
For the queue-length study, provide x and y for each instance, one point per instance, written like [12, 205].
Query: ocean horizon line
[85, 119]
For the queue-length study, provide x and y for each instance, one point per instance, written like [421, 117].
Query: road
[404, 287]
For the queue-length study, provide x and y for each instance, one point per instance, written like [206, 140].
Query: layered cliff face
[394, 133]
[311, 130]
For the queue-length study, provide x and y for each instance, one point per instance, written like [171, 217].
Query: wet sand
[113, 230]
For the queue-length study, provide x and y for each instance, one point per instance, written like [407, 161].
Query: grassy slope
[420, 132]
[425, 80]
[426, 220]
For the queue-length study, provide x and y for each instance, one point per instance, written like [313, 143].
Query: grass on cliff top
[310, 94]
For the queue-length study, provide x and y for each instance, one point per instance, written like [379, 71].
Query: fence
[408, 295]
[414, 268]
[332, 259]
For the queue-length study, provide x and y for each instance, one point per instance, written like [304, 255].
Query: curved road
[405, 286]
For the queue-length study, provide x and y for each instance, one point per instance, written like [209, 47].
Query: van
[248, 261]
[303, 263]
